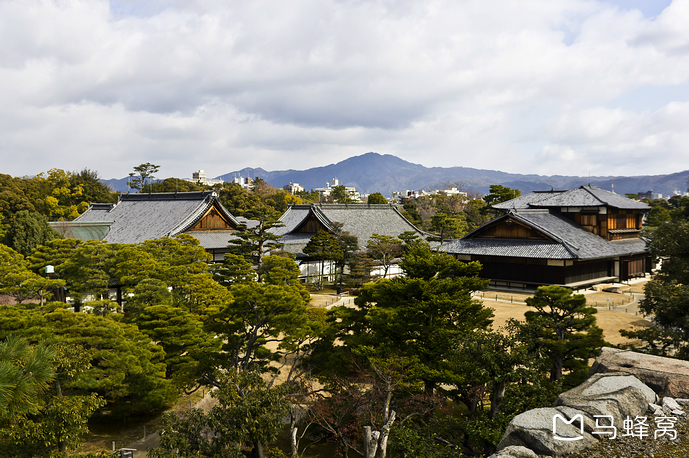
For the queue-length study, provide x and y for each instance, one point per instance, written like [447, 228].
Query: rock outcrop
[534, 430]
[666, 376]
[515, 451]
[622, 385]
[616, 395]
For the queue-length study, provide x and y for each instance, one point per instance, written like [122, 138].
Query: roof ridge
[589, 188]
[157, 196]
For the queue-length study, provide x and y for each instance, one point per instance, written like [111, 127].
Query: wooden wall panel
[311, 226]
[510, 230]
[211, 221]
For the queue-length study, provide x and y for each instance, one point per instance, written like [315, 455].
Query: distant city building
[200, 177]
[451, 192]
[649, 195]
[246, 183]
[399, 195]
[293, 188]
[325, 192]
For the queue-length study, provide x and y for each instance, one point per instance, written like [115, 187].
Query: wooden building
[301, 222]
[139, 217]
[573, 238]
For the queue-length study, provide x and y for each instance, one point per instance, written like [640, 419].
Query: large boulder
[666, 376]
[514, 451]
[616, 394]
[534, 430]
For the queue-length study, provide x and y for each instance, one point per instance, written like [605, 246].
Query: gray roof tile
[526, 200]
[585, 196]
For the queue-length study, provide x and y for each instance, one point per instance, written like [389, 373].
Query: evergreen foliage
[564, 329]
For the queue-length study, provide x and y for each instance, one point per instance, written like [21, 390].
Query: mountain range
[385, 173]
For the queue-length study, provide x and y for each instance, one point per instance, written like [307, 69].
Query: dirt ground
[609, 320]
[638, 287]
[593, 299]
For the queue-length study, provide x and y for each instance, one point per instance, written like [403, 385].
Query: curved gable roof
[139, 217]
[568, 240]
[361, 220]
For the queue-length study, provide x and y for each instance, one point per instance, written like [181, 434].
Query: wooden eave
[508, 220]
[214, 219]
[310, 222]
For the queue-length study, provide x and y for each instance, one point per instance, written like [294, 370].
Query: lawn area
[609, 320]
[593, 299]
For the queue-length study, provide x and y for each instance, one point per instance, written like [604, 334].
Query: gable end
[509, 228]
[213, 220]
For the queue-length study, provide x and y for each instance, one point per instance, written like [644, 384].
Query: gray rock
[666, 376]
[534, 430]
[656, 410]
[682, 402]
[514, 451]
[671, 403]
[619, 395]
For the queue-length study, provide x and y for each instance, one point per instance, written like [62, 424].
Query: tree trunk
[496, 398]
[294, 443]
[556, 371]
[370, 442]
[258, 451]
[383, 446]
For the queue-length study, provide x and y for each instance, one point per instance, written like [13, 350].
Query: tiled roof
[585, 196]
[526, 200]
[569, 240]
[213, 239]
[360, 220]
[541, 249]
[139, 217]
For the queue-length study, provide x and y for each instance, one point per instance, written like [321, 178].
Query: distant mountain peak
[385, 173]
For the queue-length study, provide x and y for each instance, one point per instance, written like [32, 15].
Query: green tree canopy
[253, 241]
[143, 175]
[448, 227]
[25, 376]
[29, 230]
[564, 328]
[181, 335]
[175, 185]
[340, 195]
[667, 294]
[384, 249]
[499, 193]
[414, 318]
[127, 369]
[248, 415]
[259, 316]
[376, 198]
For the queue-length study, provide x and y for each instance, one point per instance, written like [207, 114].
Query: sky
[566, 87]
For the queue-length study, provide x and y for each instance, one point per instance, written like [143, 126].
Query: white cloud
[528, 86]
